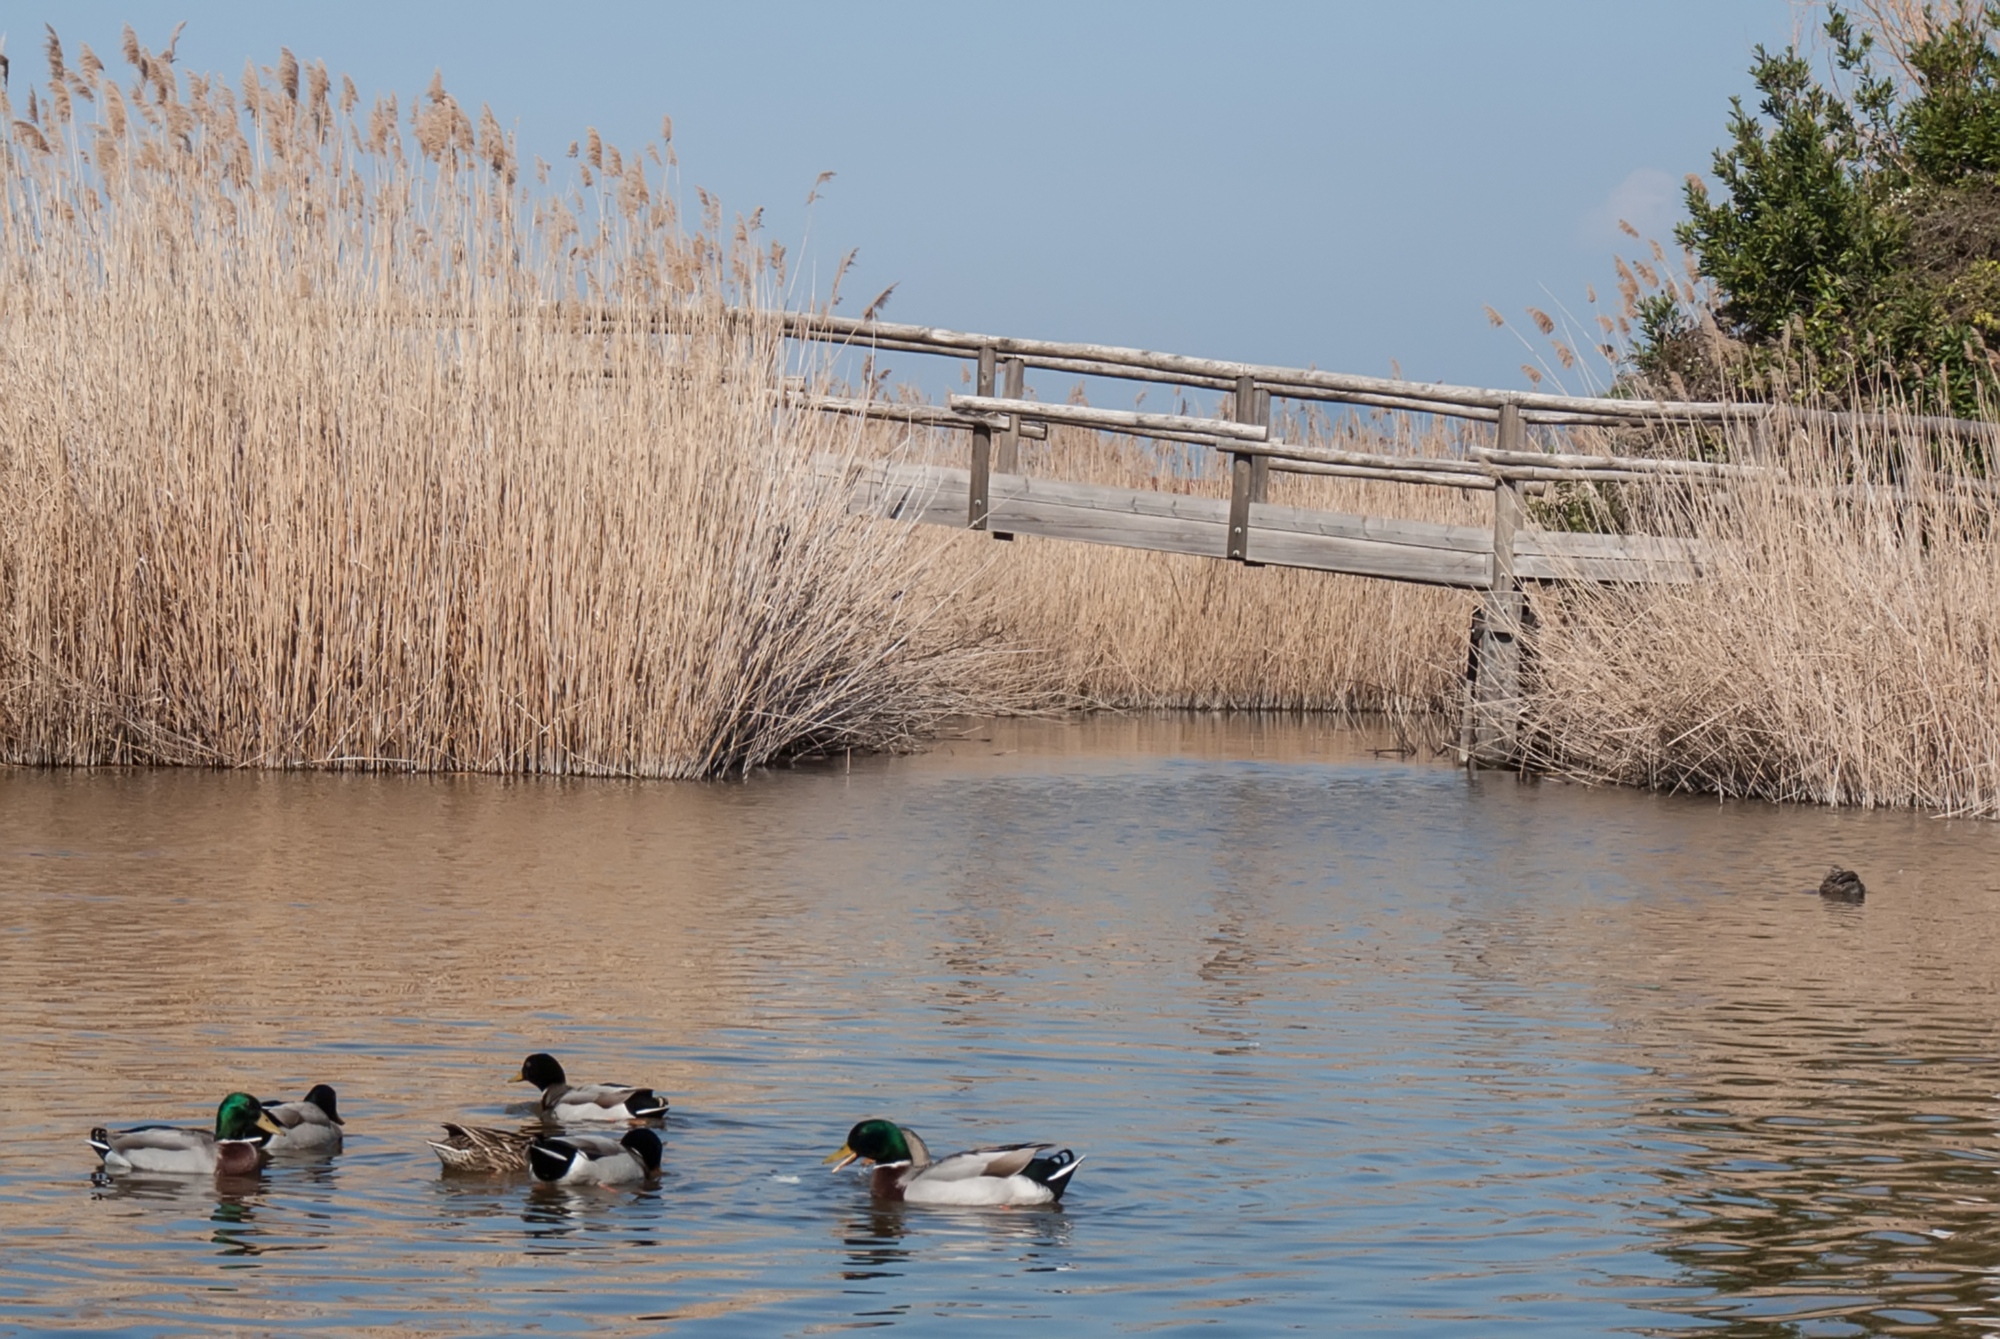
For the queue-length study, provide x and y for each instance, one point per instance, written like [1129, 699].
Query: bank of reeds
[307, 459]
[1843, 647]
[334, 436]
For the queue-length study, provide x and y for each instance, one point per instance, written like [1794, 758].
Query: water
[1353, 1044]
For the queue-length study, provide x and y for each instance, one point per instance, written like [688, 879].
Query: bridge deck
[1326, 541]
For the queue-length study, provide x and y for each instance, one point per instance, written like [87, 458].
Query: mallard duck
[1006, 1174]
[479, 1148]
[565, 1101]
[595, 1159]
[1842, 885]
[233, 1148]
[309, 1125]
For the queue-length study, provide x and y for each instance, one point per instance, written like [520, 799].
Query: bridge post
[977, 506]
[1492, 734]
[1007, 455]
[1249, 475]
[1257, 410]
[1014, 383]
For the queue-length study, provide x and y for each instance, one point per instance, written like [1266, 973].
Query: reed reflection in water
[1352, 1044]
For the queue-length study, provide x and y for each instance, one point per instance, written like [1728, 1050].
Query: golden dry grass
[334, 436]
[1843, 649]
[306, 460]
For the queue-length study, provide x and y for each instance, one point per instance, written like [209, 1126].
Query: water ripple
[1352, 1046]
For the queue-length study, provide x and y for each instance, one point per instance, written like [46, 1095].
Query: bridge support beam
[1249, 475]
[1007, 450]
[983, 450]
[1490, 727]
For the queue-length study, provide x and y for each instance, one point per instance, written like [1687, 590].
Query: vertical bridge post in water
[1493, 708]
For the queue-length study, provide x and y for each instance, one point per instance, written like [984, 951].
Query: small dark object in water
[1842, 885]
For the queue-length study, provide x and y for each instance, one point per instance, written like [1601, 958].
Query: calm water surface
[1353, 1045]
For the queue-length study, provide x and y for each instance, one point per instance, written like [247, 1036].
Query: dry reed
[1841, 649]
[306, 458]
[332, 436]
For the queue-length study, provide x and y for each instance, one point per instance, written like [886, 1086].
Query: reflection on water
[1352, 1044]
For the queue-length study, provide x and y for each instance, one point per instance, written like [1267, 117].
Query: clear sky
[1342, 184]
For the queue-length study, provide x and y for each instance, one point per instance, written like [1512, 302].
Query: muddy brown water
[1352, 1044]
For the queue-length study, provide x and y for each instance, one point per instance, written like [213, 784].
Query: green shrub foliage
[1854, 244]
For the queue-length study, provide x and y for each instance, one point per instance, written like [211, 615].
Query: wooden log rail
[1310, 384]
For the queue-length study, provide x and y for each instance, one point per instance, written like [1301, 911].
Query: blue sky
[1338, 184]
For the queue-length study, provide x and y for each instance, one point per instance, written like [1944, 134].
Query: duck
[1842, 885]
[1005, 1174]
[595, 1159]
[310, 1125]
[234, 1148]
[564, 1101]
[480, 1148]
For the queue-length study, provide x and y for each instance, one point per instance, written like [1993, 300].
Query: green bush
[1854, 244]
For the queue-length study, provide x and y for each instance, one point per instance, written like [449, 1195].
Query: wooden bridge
[1503, 560]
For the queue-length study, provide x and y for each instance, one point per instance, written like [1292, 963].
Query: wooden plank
[1553, 556]
[1327, 549]
[1398, 550]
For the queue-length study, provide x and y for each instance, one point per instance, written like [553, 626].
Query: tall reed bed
[310, 457]
[1843, 647]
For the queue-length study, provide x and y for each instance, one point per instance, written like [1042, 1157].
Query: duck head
[876, 1141]
[645, 1145]
[542, 1070]
[242, 1117]
[322, 1097]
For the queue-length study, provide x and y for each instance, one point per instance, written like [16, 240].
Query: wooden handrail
[1482, 470]
[1116, 420]
[1339, 387]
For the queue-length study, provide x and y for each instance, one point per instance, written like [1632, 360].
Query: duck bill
[841, 1158]
[267, 1125]
[519, 1077]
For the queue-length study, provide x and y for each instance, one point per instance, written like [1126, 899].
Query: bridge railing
[998, 415]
